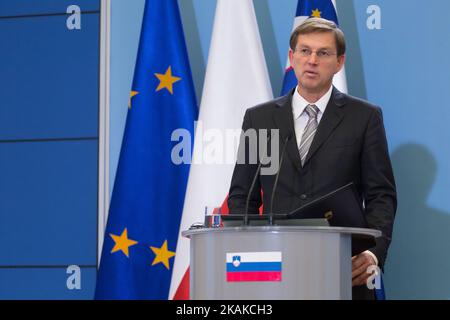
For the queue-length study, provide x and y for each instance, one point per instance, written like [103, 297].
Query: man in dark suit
[332, 139]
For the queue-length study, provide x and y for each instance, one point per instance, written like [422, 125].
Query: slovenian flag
[253, 266]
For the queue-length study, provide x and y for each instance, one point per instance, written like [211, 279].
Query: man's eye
[305, 52]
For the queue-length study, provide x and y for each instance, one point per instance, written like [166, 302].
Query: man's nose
[313, 59]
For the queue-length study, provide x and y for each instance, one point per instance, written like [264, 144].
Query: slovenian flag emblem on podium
[253, 266]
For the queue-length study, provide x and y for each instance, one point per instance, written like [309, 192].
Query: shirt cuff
[373, 256]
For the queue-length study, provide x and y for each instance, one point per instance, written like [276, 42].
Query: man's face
[315, 61]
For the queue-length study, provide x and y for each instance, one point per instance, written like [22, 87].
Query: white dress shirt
[299, 105]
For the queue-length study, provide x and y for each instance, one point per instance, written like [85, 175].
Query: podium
[278, 262]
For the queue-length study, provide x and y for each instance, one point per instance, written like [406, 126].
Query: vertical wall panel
[49, 203]
[45, 283]
[49, 114]
[43, 7]
[48, 78]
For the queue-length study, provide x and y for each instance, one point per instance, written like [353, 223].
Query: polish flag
[236, 79]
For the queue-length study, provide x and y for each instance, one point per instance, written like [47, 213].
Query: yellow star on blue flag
[132, 94]
[162, 255]
[166, 80]
[122, 242]
[316, 13]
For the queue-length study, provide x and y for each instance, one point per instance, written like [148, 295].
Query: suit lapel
[331, 118]
[284, 120]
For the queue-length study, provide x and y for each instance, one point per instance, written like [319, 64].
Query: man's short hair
[319, 25]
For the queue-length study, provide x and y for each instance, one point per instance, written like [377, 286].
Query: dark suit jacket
[349, 146]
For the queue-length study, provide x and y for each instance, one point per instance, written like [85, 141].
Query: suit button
[303, 196]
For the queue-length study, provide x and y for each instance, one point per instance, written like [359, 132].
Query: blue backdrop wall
[49, 106]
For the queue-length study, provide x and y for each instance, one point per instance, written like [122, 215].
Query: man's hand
[360, 263]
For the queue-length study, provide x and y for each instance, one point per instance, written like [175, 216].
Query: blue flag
[305, 9]
[147, 200]
[379, 292]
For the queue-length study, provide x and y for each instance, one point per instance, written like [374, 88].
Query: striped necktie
[309, 132]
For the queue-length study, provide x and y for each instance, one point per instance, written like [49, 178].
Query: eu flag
[305, 9]
[147, 200]
[317, 8]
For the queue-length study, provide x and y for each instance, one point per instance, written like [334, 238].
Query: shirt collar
[299, 103]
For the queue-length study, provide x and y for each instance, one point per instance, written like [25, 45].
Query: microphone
[275, 184]
[252, 186]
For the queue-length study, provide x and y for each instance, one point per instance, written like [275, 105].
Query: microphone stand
[275, 184]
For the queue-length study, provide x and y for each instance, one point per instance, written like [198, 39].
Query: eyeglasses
[321, 54]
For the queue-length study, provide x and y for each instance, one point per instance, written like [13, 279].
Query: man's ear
[291, 56]
[341, 62]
